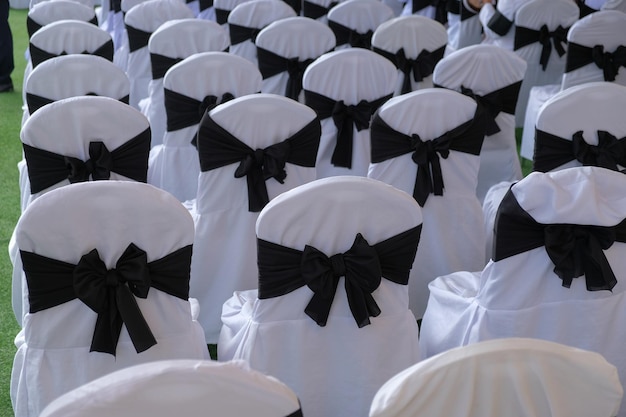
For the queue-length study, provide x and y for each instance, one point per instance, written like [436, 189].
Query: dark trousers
[6, 44]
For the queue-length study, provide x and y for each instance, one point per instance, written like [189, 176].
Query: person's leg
[6, 48]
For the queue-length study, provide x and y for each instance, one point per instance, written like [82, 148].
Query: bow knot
[360, 40]
[558, 37]
[295, 69]
[607, 154]
[98, 166]
[426, 157]
[420, 67]
[110, 293]
[360, 266]
[491, 105]
[345, 118]
[609, 62]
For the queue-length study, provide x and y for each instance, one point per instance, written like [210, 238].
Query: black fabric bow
[137, 38]
[346, 35]
[388, 143]
[38, 55]
[346, 118]
[420, 67]
[217, 148]
[501, 100]
[499, 23]
[47, 168]
[283, 270]
[525, 36]
[109, 293]
[609, 62]
[32, 26]
[221, 16]
[183, 111]
[552, 151]
[271, 64]
[439, 5]
[239, 34]
[160, 64]
[314, 10]
[575, 250]
[205, 4]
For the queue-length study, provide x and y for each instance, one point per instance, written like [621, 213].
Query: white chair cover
[222, 9]
[487, 69]
[414, 35]
[176, 40]
[297, 37]
[335, 370]
[453, 237]
[46, 12]
[54, 354]
[90, 3]
[120, 38]
[360, 18]
[179, 387]
[318, 9]
[144, 19]
[600, 28]
[522, 295]
[66, 127]
[497, 22]
[224, 257]
[555, 15]
[350, 76]
[464, 27]
[515, 376]
[174, 165]
[246, 21]
[619, 5]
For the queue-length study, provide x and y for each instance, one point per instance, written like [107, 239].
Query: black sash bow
[499, 23]
[271, 64]
[35, 102]
[183, 111]
[218, 148]
[388, 143]
[137, 38]
[314, 10]
[525, 36]
[221, 16]
[502, 100]
[47, 168]
[239, 34]
[609, 62]
[38, 55]
[575, 250]
[420, 67]
[345, 35]
[205, 4]
[110, 293]
[283, 270]
[32, 26]
[552, 151]
[160, 64]
[346, 118]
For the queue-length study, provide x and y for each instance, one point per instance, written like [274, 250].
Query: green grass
[10, 154]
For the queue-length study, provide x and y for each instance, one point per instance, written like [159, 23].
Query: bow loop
[607, 154]
[558, 37]
[491, 106]
[109, 293]
[77, 170]
[100, 161]
[360, 266]
[609, 62]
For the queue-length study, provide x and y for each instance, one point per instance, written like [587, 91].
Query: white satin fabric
[514, 376]
[360, 15]
[174, 165]
[224, 258]
[53, 354]
[521, 296]
[349, 75]
[335, 370]
[453, 237]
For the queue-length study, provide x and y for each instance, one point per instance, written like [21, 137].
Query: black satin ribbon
[217, 148]
[296, 5]
[137, 38]
[283, 270]
[109, 292]
[388, 143]
[552, 151]
[575, 250]
[160, 64]
[47, 168]
[345, 118]
[420, 67]
[271, 64]
[297, 413]
[38, 55]
[35, 102]
[499, 23]
[525, 36]
[239, 34]
[314, 10]
[183, 111]
[32, 26]
[345, 35]
[115, 5]
[456, 7]
[609, 62]
[205, 4]
[584, 9]
[221, 16]
[502, 100]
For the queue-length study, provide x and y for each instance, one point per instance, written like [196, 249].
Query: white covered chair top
[179, 387]
[275, 334]
[619, 5]
[147, 16]
[404, 39]
[103, 223]
[354, 21]
[317, 9]
[47, 12]
[598, 34]
[89, 3]
[286, 48]
[223, 9]
[126, 5]
[65, 37]
[75, 75]
[583, 125]
[513, 376]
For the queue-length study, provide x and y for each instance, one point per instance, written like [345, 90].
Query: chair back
[354, 21]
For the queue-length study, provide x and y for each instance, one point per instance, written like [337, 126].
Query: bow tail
[294, 86]
[257, 190]
[545, 54]
[406, 83]
[437, 176]
[342, 156]
[319, 306]
[362, 304]
[138, 329]
[108, 327]
[598, 272]
[423, 185]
